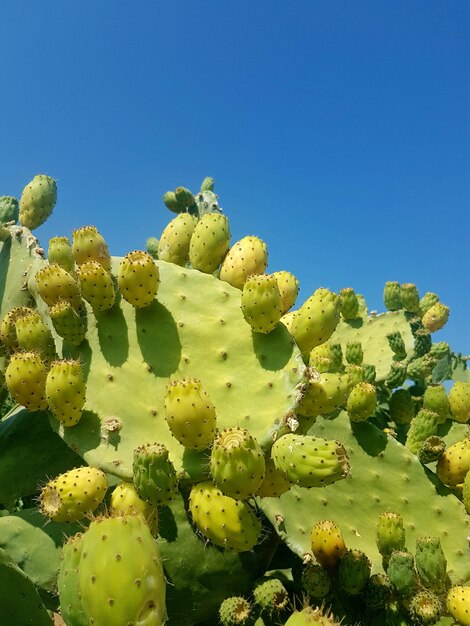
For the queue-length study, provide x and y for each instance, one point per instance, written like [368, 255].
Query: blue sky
[337, 131]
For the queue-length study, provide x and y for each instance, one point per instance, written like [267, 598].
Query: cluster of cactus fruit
[207, 454]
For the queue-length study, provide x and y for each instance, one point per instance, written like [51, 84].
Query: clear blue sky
[338, 131]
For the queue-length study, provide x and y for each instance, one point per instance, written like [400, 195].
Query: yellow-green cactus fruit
[74, 495]
[67, 322]
[459, 402]
[138, 278]
[316, 320]
[325, 393]
[288, 288]
[287, 319]
[96, 286]
[454, 464]
[8, 327]
[362, 402]
[246, 257]
[435, 317]
[65, 391]
[25, 377]
[274, 483]
[173, 246]
[458, 604]
[89, 245]
[55, 284]
[60, 253]
[209, 242]
[34, 336]
[327, 543]
[261, 303]
[37, 201]
[125, 500]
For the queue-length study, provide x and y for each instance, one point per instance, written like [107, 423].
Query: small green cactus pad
[372, 333]
[384, 476]
[194, 329]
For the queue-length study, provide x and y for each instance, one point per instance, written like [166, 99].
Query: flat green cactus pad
[194, 328]
[16, 256]
[372, 332]
[384, 476]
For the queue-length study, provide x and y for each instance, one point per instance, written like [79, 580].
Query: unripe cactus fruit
[397, 345]
[401, 406]
[327, 357]
[431, 563]
[246, 257]
[60, 253]
[390, 533]
[401, 572]
[288, 288]
[427, 302]
[362, 402]
[37, 201]
[310, 616]
[190, 413]
[73, 495]
[184, 197]
[310, 461]
[151, 245]
[271, 595]
[315, 580]
[439, 350]
[436, 317]
[71, 608]
[25, 377]
[207, 184]
[378, 591]
[67, 322]
[420, 367]
[324, 394]
[55, 284]
[209, 243]
[121, 578]
[458, 604]
[138, 278]
[274, 483]
[354, 571]
[391, 295]
[327, 543]
[261, 303]
[435, 399]
[125, 500]
[423, 425]
[89, 245]
[65, 391]
[354, 353]
[8, 327]
[396, 376]
[169, 198]
[409, 297]
[432, 449]
[154, 475]
[9, 209]
[349, 304]
[459, 402]
[316, 320]
[173, 246]
[237, 463]
[454, 464]
[34, 336]
[234, 611]
[227, 522]
[96, 286]
[425, 608]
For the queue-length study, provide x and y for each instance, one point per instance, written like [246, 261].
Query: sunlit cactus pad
[384, 476]
[193, 329]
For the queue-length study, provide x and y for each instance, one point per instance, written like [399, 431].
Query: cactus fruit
[209, 243]
[190, 413]
[354, 375]
[436, 317]
[315, 580]
[261, 303]
[396, 376]
[8, 327]
[71, 608]
[9, 209]
[171, 202]
[184, 197]
[401, 572]
[459, 402]
[327, 543]
[55, 284]
[274, 483]
[96, 286]
[310, 616]
[25, 377]
[423, 425]
[73, 495]
[121, 578]
[439, 350]
[227, 522]
[431, 563]
[392, 296]
[65, 391]
[173, 246]
[353, 571]
[234, 611]
[409, 297]
[362, 402]
[60, 253]
[237, 463]
[246, 257]
[401, 406]
[151, 245]
[390, 533]
[270, 595]
[154, 475]
[432, 449]
[126, 501]
[310, 461]
[397, 345]
[34, 336]
[324, 394]
[316, 320]
[89, 245]
[138, 278]
[370, 373]
[288, 288]
[425, 608]
[427, 301]
[420, 367]
[67, 322]
[349, 304]
[422, 343]
[458, 604]
[435, 399]
[454, 464]
[378, 591]
[207, 184]
[354, 353]
[327, 357]
[37, 201]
